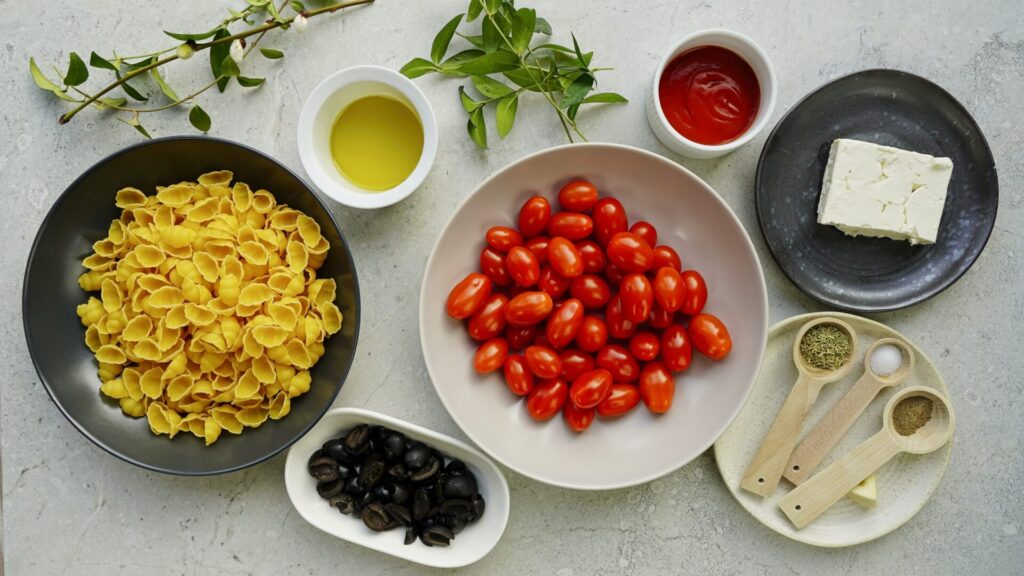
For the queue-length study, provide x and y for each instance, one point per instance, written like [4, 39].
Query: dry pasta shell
[248, 386]
[147, 349]
[175, 317]
[252, 417]
[255, 294]
[192, 405]
[97, 262]
[202, 390]
[194, 424]
[218, 178]
[270, 336]
[137, 328]
[298, 355]
[104, 248]
[180, 387]
[203, 210]
[132, 383]
[92, 339]
[249, 344]
[241, 194]
[129, 198]
[286, 220]
[231, 266]
[199, 315]
[178, 237]
[167, 337]
[152, 383]
[309, 230]
[108, 371]
[175, 367]
[111, 296]
[332, 317]
[246, 311]
[162, 420]
[115, 321]
[215, 340]
[263, 201]
[195, 292]
[177, 348]
[148, 256]
[211, 430]
[206, 265]
[298, 257]
[114, 388]
[284, 316]
[225, 417]
[220, 307]
[299, 384]
[280, 406]
[176, 195]
[132, 407]
[163, 219]
[152, 282]
[263, 370]
[111, 354]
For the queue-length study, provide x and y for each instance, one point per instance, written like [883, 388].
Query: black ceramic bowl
[55, 335]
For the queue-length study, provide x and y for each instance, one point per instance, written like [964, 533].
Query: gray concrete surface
[69, 508]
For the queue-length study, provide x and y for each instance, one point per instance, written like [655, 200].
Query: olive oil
[376, 142]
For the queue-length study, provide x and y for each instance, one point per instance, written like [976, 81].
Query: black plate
[67, 368]
[874, 274]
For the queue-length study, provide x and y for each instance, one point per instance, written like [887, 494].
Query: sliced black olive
[346, 470]
[324, 469]
[399, 513]
[457, 507]
[417, 457]
[410, 535]
[478, 504]
[427, 472]
[399, 493]
[420, 504]
[455, 523]
[354, 487]
[459, 486]
[345, 503]
[357, 440]
[437, 536]
[455, 467]
[329, 489]
[438, 490]
[364, 501]
[394, 446]
[375, 517]
[371, 473]
[398, 471]
[335, 448]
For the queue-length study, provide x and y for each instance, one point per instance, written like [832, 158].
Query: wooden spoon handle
[827, 432]
[765, 470]
[809, 500]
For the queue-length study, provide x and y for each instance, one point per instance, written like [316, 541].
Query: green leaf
[164, 86]
[477, 127]
[491, 35]
[467, 102]
[41, 80]
[111, 102]
[584, 61]
[229, 67]
[418, 67]
[523, 79]
[77, 72]
[523, 23]
[298, 6]
[443, 39]
[134, 123]
[605, 98]
[217, 55]
[577, 91]
[554, 47]
[475, 6]
[97, 61]
[489, 87]
[250, 82]
[491, 63]
[505, 113]
[477, 40]
[200, 119]
[257, 3]
[271, 54]
[130, 90]
[491, 6]
[571, 112]
[198, 36]
[542, 27]
[451, 66]
[136, 65]
[272, 10]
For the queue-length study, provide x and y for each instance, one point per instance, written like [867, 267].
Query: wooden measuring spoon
[823, 437]
[765, 470]
[809, 500]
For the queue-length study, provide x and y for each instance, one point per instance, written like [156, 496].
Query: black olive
[399, 493]
[456, 507]
[399, 513]
[438, 489]
[335, 448]
[427, 472]
[437, 536]
[420, 503]
[383, 493]
[345, 503]
[371, 473]
[455, 523]
[394, 446]
[376, 518]
[455, 467]
[478, 504]
[354, 487]
[324, 469]
[410, 535]
[459, 486]
[329, 489]
[398, 471]
[346, 470]
[364, 501]
[357, 440]
[417, 457]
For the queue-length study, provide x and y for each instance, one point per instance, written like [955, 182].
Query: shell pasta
[209, 312]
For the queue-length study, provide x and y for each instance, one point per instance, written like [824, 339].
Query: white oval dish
[746, 49]
[322, 107]
[470, 545]
[638, 447]
[904, 484]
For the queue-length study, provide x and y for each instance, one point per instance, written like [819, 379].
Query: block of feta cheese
[873, 190]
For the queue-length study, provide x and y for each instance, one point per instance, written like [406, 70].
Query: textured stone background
[69, 508]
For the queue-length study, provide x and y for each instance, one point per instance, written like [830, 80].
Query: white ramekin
[746, 49]
[317, 118]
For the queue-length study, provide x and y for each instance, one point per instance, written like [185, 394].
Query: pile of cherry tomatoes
[585, 314]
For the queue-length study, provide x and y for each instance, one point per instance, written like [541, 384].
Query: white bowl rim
[767, 105]
[368, 73]
[372, 417]
[671, 467]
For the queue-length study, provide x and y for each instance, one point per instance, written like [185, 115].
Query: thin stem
[263, 28]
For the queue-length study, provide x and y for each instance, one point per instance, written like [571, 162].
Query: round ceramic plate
[904, 484]
[637, 447]
[874, 274]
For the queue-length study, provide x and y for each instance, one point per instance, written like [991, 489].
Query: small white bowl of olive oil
[367, 136]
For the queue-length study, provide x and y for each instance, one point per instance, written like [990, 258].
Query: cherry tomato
[565, 258]
[489, 320]
[609, 219]
[534, 216]
[575, 363]
[592, 335]
[710, 336]
[696, 292]
[492, 263]
[543, 361]
[630, 252]
[564, 323]
[644, 346]
[593, 256]
[622, 399]
[578, 419]
[503, 238]
[618, 325]
[660, 318]
[614, 274]
[637, 297]
[590, 388]
[520, 337]
[540, 339]
[592, 290]
[669, 290]
[547, 399]
[518, 377]
[553, 283]
[528, 308]
[515, 290]
[522, 266]
[539, 246]
[657, 387]
[676, 350]
[468, 295]
[490, 355]
[578, 196]
[666, 256]
[617, 360]
[645, 230]
[571, 225]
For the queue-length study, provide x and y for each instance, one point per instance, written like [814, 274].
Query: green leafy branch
[227, 51]
[503, 47]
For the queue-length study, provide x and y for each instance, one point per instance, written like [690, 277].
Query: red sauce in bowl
[709, 94]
